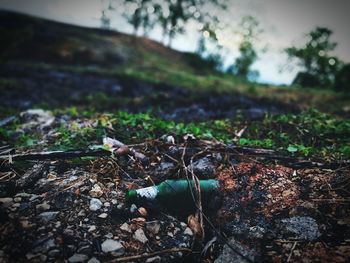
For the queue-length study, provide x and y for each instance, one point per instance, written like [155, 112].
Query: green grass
[310, 134]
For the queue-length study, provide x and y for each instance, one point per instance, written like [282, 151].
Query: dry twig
[291, 251]
[148, 255]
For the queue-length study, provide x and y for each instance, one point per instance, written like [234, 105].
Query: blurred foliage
[207, 59]
[314, 57]
[249, 32]
[171, 16]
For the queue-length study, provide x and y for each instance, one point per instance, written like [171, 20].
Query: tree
[105, 21]
[171, 15]
[207, 59]
[249, 32]
[209, 49]
[318, 66]
[141, 15]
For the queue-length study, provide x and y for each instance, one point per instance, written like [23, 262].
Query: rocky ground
[74, 210]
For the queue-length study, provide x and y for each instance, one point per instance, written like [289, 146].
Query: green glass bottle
[171, 192]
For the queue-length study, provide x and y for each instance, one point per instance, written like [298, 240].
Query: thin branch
[291, 251]
[56, 155]
[148, 255]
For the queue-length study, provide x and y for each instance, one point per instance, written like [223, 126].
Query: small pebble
[78, 258]
[42, 207]
[188, 231]
[133, 208]
[111, 245]
[139, 235]
[17, 199]
[109, 235]
[103, 215]
[95, 204]
[154, 259]
[92, 228]
[82, 213]
[48, 216]
[125, 227]
[93, 260]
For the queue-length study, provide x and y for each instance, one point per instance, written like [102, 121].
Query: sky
[285, 22]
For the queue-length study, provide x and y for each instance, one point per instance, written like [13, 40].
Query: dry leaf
[195, 226]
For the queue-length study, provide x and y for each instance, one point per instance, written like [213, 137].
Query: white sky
[284, 21]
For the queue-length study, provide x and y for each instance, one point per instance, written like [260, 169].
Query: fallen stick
[51, 155]
[300, 163]
[270, 155]
[293, 162]
[55, 155]
[148, 255]
[291, 251]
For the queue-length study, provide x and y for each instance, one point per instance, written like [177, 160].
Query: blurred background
[234, 46]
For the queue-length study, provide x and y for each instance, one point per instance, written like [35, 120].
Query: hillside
[35, 45]
[87, 116]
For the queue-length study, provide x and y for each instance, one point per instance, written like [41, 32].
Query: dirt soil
[75, 210]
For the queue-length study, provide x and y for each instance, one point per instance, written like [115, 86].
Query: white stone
[93, 260]
[111, 245]
[17, 199]
[109, 235]
[125, 227]
[103, 215]
[188, 231]
[154, 259]
[139, 235]
[42, 207]
[48, 216]
[95, 204]
[92, 228]
[24, 195]
[82, 213]
[170, 139]
[133, 208]
[78, 258]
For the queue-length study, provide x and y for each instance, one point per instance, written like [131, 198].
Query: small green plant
[308, 133]
[74, 137]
